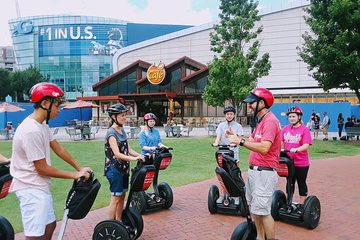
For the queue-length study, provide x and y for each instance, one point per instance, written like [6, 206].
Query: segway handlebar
[226, 157]
[82, 182]
[6, 164]
[161, 149]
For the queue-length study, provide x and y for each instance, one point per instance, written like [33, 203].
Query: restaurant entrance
[159, 108]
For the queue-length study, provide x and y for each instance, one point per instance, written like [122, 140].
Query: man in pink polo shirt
[265, 146]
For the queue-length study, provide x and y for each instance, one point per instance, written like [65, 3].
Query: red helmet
[41, 90]
[261, 93]
[149, 116]
[295, 109]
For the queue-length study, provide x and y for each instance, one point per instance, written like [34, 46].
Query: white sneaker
[220, 199]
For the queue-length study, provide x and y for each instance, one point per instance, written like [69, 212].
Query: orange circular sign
[156, 74]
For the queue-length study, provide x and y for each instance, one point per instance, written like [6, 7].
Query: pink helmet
[149, 116]
[295, 109]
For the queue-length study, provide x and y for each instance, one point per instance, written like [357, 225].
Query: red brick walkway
[333, 181]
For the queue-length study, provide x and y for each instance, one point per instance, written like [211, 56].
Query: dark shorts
[118, 181]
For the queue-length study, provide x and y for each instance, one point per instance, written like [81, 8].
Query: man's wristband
[242, 142]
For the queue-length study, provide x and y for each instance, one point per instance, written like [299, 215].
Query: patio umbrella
[7, 107]
[80, 104]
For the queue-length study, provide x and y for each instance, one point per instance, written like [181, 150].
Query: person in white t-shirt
[31, 166]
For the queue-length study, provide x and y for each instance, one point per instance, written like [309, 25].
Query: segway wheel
[138, 201]
[212, 197]
[6, 230]
[312, 212]
[136, 225]
[278, 201]
[166, 193]
[244, 231]
[110, 230]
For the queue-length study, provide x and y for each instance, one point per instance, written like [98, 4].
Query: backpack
[329, 122]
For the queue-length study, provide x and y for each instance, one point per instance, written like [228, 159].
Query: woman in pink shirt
[296, 138]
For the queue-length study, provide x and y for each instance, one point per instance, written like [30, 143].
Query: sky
[187, 12]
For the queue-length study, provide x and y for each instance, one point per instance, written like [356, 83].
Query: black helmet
[229, 109]
[116, 109]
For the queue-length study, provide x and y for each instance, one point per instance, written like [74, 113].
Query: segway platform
[228, 204]
[162, 197]
[282, 207]
[6, 229]
[132, 225]
[79, 201]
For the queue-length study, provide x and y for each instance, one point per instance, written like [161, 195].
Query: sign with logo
[156, 74]
[23, 27]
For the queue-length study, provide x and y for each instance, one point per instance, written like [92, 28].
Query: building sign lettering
[72, 32]
[156, 74]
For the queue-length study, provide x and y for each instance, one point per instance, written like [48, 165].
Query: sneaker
[220, 199]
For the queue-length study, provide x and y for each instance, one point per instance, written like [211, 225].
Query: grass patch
[193, 161]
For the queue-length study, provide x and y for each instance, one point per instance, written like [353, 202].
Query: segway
[228, 204]
[132, 225]
[229, 176]
[79, 201]
[162, 197]
[6, 230]
[283, 208]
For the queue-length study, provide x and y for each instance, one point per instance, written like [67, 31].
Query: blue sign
[23, 27]
[81, 39]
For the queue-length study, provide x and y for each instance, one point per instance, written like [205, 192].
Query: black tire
[167, 194]
[244, 231]
[6, 229]
[212, 197]
[138, 201]
[312, 212]
[278, 201]
[137, 228]
[109, 230]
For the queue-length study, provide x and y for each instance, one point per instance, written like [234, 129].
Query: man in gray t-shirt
[235, 127]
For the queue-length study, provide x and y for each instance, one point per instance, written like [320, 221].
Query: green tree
[22, 81]
[332, 49]
[5, 80]
[234, 72]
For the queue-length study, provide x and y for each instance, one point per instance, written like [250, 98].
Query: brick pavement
[334, 181]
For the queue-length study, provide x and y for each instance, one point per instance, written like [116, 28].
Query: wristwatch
[242, 141]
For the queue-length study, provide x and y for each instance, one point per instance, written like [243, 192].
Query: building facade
[7, 58]
[288, 78]
[76, 51]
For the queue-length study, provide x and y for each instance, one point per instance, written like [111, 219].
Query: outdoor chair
[56, 130]
[167, 130]
[86, 132]
[211, 128]
[5, 133]
[94, 131]
[75, 134]
[176, 131]
[188, 129]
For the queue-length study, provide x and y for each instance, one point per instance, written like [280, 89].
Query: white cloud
[157, 11]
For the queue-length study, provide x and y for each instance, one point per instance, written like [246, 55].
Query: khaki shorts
[260, 187]
[37, 211]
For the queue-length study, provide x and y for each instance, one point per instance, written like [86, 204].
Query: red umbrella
[80, 104]
[7, 107]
